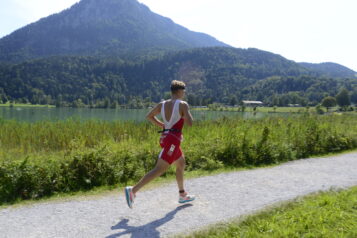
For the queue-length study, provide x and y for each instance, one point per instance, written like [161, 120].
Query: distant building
[252, 103]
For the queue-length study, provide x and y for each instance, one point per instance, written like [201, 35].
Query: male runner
[175, 113]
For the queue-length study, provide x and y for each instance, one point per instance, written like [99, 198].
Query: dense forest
[219, 74]
[331, 69]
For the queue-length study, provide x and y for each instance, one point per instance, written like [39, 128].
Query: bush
[72, 156]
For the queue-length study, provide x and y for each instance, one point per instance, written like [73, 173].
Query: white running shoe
[129, 195]
[186, 198]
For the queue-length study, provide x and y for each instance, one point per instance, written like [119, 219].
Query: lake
[33, 114]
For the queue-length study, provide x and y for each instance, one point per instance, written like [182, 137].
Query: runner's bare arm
[186, 114]
[151, 116]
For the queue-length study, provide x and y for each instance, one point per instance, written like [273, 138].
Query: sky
[312, 31]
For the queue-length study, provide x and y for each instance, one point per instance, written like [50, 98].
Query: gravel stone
[157, 213]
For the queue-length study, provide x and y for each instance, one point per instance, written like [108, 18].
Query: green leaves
[328, 214]
[218, 74]
[82, 155]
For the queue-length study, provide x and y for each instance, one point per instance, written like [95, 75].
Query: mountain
[101, 51]
[101, 28]
[331, 69]
[217, 74]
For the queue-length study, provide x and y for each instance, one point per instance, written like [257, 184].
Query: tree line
[222, 75]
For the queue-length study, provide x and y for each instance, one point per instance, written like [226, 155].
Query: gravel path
[156, 212]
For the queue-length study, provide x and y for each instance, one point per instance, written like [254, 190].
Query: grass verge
[23, 105]
[102, 191]
[326, 214]
[46, 158]
[117, 189]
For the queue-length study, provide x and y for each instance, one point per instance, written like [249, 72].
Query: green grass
[43, 159]
[23, 105]
[327, 214]
[117, 189]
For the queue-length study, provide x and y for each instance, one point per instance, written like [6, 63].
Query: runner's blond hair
[177, 85]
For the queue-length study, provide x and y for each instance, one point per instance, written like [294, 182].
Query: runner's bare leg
[180, 168]
[160, 168]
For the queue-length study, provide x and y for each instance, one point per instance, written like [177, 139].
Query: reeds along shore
[43, 158]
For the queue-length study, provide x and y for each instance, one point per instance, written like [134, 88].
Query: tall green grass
[328, 214]
[43, 158]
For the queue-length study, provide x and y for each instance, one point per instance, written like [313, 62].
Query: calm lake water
[40, 114]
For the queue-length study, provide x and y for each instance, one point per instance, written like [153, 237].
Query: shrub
[71, 156]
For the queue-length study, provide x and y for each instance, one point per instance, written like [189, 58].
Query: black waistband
[171, 130]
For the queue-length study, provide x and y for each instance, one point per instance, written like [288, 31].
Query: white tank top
[175, 116]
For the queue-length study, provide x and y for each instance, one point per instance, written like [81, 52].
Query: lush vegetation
[302, 90]
[332, 69]
[222, 75]
[328, 214]
[9, 104]
[44, 158]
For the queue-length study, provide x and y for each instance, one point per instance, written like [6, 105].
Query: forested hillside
[124, 28]
[219, 74]
[331, 69]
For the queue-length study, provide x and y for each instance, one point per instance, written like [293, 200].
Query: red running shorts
[171, 150]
